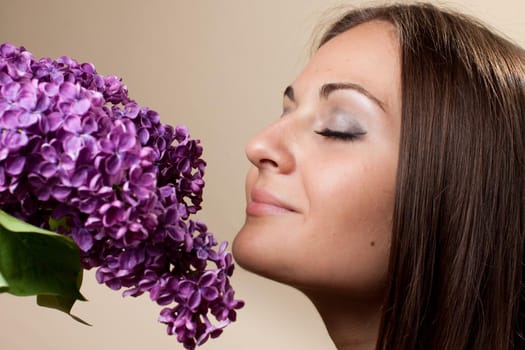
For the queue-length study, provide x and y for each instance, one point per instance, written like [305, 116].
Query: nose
[271, 149]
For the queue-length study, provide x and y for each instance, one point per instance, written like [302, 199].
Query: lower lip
[262, 209]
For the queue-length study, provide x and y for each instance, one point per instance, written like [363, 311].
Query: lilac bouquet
[79, 157]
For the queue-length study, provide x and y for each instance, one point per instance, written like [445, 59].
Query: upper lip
[262, 196]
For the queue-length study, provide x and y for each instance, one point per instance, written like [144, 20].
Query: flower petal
[113, 164]
[15, 165]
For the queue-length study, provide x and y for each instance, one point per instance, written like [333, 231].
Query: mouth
[263, 203]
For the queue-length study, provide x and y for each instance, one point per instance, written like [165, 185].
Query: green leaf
[16, 225]
[3, 284]
[55, 225]
[34, 261]
[59, 302]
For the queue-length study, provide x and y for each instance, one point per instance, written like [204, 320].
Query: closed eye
[340, 135]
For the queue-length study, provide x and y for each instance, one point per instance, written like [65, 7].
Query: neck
[352, 325]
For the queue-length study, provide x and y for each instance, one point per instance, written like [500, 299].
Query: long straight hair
[456, 271]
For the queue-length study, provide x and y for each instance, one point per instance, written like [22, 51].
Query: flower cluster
[79, 156]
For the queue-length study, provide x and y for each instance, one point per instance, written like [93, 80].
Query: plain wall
[218, 67]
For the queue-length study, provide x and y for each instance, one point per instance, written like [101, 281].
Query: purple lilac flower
[75, 149]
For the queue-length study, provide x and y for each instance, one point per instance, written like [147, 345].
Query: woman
[391, 190]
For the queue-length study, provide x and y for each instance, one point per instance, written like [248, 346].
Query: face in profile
[320, 193]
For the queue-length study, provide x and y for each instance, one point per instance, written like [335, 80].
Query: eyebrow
[328, 88]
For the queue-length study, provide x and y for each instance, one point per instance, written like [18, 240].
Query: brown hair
[456, 273]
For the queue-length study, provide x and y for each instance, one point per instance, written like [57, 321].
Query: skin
[319, 206]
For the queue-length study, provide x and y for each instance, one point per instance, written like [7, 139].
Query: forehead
[368, 55]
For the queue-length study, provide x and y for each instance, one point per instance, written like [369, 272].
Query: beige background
[219, 67]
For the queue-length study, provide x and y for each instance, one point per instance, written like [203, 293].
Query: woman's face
[320, 193]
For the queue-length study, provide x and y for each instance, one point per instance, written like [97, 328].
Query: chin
[252, 255]
[247, 254]
[265, 260]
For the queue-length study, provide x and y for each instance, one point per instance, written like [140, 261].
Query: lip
[264, 203]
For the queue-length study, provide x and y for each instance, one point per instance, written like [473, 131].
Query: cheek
[349, 226]
[358, 194]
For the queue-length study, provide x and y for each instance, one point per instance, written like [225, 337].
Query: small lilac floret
[77, 151]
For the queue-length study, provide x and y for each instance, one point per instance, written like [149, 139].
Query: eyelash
[340, 135]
